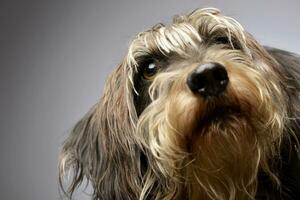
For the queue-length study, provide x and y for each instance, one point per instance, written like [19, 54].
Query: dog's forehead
[185, 34]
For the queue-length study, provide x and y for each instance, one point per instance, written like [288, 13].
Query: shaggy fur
[152, 138]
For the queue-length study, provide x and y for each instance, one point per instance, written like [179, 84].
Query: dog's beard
[226, 156]
[213, 148]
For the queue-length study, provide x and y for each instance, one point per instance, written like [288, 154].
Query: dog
[197, 109]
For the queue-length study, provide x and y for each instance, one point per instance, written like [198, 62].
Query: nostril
[220, 75]
[201, 84]
[197, 82]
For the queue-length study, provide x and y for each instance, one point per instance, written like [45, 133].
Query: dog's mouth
[217, 116]
[219, 113]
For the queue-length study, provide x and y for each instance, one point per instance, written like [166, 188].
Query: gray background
[55, 56]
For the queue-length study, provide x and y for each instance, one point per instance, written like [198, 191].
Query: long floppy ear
[102, 145]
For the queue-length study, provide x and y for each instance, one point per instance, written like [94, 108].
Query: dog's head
[195, 108]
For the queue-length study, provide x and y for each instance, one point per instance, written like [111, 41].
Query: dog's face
[195, 108]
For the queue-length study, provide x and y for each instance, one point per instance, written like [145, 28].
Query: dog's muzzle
[208, 80]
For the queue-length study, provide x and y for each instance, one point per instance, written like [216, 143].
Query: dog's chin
[224, 138]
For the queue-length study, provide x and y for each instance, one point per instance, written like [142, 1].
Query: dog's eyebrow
[162, 60]
[224, 39]
[164, 40]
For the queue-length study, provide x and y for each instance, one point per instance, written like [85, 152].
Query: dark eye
[221, 40]
[150, 69]
[226, 41]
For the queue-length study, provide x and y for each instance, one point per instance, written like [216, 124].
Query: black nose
[208, 80]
